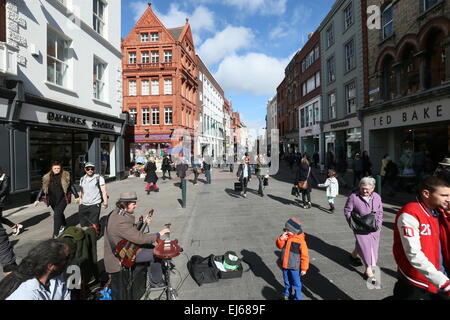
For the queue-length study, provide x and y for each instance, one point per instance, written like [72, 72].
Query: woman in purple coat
[365, 201]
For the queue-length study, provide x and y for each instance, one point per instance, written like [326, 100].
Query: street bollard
[183, 192]
[379, 184]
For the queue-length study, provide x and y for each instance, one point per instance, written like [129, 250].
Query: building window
[168, 56]
[331, 69]
[155, 116]
[99, 84]
[389, 87]
[133, 116]
[132, 58]
[145, 116]
[57, 58]
[145, 87]
[167, 86]
[350, 94]
[427, 4]
[145, 57]
[388, 21]
[99, 16]
[154, 36]
[155, 87]
[332, 105]
[349, 56]
[316, 53]
[168, 115]
[144, 37]
[330, 36]
[132, 87]
[155, 56]
[316, 112]
[348, 16]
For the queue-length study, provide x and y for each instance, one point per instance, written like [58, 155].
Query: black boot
[332, 207]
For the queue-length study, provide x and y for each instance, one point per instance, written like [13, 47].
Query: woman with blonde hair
[151, 178]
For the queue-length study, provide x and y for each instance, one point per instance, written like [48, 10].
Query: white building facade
[272, 119]
[68, 88]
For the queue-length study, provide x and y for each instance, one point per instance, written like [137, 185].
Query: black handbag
[237, 186]
[363, 224]
[265, 182]
[294, 191]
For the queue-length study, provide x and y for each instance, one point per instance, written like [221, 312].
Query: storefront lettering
[102, 125]
[65, 118]
[414, 115]
[340, 125]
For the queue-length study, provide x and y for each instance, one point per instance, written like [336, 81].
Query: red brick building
[160, 84]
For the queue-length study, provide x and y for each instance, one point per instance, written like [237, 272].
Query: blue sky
[246, 44]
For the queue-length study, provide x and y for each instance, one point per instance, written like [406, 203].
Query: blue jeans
[208, 176]
[292, 280]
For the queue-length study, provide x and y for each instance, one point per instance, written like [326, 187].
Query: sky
[246, 44]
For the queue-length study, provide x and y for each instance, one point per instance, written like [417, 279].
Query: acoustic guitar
[126, 251]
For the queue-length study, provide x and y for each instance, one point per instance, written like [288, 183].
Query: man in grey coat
[121, 226]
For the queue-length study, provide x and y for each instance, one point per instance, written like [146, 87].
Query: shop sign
[412, 115]
[51, 116]
[340, 125]
[103, 125]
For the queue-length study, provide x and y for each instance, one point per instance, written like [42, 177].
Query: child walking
[332, 186]
[294, 257]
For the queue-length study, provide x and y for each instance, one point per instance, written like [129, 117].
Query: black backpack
[203, 270]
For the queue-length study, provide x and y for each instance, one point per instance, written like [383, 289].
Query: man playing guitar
[121, 226]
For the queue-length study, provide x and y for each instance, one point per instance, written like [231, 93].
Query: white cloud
[225, 43]
[253, 73]
[278, 33]
[138, 8]
[265, 7]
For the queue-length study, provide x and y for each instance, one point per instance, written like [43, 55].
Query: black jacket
[166, 164]
[151, 176]
[240, 172]
[302, 175]
[4, 191]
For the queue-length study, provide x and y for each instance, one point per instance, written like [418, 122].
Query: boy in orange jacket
[294, 257]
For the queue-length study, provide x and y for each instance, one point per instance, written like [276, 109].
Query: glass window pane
[50, 69]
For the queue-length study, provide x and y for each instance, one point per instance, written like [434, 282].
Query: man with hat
[294, 257]
[121, 226]
[93, 194]
[443, 170]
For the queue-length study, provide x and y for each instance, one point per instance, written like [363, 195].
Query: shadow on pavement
[391, 210]
[315, 282]
[389, 272]
[335, 254]
[282, 200]
[73, 220]
[389, 225]
[30, 222]
[261, 270]
[232, 193]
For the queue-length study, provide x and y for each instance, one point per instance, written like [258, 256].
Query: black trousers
[195, 175]
[7, 256]
[59, 219]
[244, 185]
[403, 290]
[164, 173]
[306, 195]
[89, 215]
[3, 220]
[261, 185]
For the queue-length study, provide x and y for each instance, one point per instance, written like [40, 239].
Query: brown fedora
[128, 196]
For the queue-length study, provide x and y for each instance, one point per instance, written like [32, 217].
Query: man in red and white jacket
[417, 248]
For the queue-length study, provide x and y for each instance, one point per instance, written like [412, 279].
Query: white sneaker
[245, 195]
[61, 230]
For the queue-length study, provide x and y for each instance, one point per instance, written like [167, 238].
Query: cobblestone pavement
[217, 220]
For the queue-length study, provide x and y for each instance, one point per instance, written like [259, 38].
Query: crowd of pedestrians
[421, 230]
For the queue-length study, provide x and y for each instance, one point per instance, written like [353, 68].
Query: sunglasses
[89, 169]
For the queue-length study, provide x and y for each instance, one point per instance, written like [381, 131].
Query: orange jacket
[294, 252]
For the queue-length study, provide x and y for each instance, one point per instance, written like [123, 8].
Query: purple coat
[366, 245]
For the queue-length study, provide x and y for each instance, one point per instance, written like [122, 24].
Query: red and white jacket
[444, 234]
[416, 247]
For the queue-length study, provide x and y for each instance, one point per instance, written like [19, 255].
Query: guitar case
[203, 270]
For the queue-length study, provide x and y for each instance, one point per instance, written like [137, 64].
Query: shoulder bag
[363, 224]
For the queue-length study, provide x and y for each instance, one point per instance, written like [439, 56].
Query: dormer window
[144, 37]
[154, 36]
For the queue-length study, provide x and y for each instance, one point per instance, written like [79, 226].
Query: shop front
[405, 132]
[52, 132]
[343, 138]
[310, 140]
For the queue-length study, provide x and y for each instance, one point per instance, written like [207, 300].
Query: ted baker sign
[413, 115]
